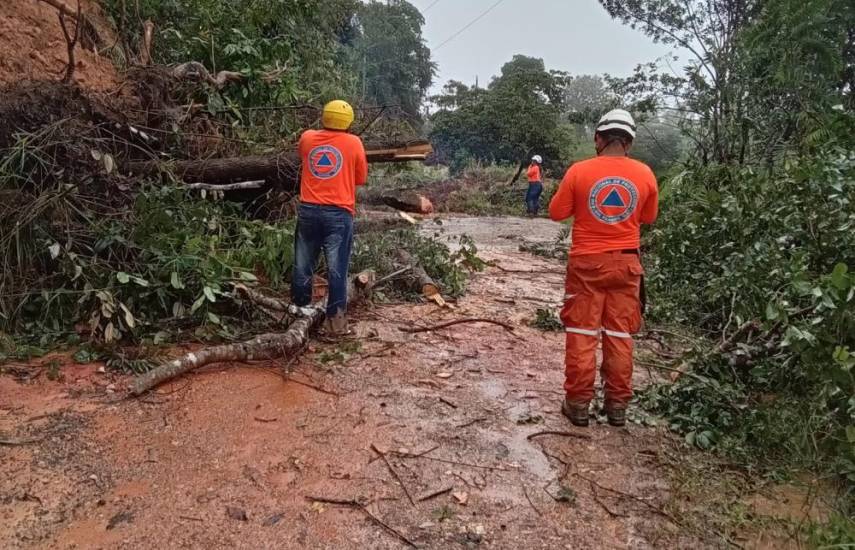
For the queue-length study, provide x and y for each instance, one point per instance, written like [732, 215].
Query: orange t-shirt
[534, 174]
[334, 163]
[609, 197]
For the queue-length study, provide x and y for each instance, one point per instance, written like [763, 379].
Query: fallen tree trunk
[408, 201]
[266, 346]
[417, 276]
[284, 165]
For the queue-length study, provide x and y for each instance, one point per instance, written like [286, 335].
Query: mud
[451, 409]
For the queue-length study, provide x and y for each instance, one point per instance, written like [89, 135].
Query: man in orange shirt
[333, 165]
[609, 197]
[535, 186]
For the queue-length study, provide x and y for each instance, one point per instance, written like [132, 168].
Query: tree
[754, 66]
[393, 62]
[516, 116]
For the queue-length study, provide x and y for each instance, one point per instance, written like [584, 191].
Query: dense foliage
[754, 247]
[293, 56]
[516, 116]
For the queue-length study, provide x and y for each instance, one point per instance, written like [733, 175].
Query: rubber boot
[616, 414]
[577, 413]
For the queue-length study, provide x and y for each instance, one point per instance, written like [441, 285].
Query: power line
[461, 31]
[432, 4]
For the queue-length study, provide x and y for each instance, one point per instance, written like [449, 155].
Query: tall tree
[516, 116]
[393, 62]
[753, 66]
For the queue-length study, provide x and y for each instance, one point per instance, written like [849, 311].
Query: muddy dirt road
[437, 440]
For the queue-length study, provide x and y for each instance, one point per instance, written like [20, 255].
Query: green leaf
[839, 276]
[129, 317]
[214, 318]
[175, 281]
[123, 277]
[209, 294]
[771, 311]
[247, 276]
[197, 304]
[140, 281]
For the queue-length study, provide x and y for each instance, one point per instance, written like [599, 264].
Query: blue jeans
[327, 228]
[532, 197]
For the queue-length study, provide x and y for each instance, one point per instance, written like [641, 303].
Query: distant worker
[609, 197]
[333, 165]
[535, 186]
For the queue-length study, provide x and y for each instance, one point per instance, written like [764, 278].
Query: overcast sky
[576, 36]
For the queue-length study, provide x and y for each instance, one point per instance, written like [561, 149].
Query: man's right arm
[563, 204]
[361, 164]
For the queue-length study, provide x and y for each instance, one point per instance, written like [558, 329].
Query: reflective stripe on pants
[601, 298]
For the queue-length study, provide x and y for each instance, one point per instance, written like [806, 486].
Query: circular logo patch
[325, 162]
[613, 200]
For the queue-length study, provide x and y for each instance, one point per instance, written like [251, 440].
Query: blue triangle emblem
[325, 160]
[613, 199]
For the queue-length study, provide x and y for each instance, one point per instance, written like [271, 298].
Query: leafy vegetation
[754, 246]
[449, 269]
[293, 56]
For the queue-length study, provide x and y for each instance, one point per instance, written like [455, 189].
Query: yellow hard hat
[338, 115]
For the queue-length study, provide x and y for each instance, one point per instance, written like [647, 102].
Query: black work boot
[576, 412]
[616, 413]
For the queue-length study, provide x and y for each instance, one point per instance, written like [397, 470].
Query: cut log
[374, 223]
[417, 277]
[266, 346]
[282, 166]
[408, 201]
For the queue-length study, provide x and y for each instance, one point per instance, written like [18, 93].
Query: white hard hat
[538, 159]
[617, 119]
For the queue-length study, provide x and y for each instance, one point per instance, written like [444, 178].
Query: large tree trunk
[283, 166]
[408, 201]
[266, 346]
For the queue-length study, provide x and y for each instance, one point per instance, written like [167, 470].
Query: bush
[448, 269]
[166, 262]
[772, 252]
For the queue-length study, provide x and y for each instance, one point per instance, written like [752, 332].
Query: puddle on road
[513, 443]
[501, 233]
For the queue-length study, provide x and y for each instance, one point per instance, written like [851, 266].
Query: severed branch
[394, 473]
[70, 41]
[418, 277]
[147, 40]
[353, 503]
[266, 346]
[410, 330]
[254, 184]
[193, 70]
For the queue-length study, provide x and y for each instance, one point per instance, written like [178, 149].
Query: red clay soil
[231, 457]
[32, 46]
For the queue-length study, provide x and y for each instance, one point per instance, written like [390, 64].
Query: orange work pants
[602, 297]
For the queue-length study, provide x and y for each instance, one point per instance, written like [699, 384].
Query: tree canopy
[516, 116]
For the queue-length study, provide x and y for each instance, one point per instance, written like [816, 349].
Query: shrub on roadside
[766, 260]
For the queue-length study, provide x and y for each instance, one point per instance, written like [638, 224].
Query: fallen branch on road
[353, 503]
[410, 330]
[560, 434]
[266, 346]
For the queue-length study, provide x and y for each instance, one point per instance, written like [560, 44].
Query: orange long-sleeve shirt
[334, 164]
[534, 173]
[609, 198]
